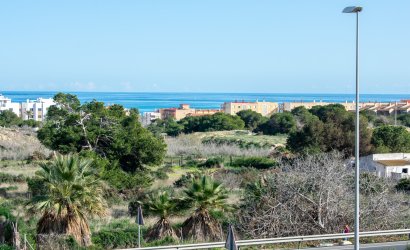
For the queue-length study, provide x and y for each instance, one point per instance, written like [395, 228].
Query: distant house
[392, 165]
[148, 117]
[183, 111]
[263, 108]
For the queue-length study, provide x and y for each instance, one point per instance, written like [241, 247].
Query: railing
[398, 176]
[260, 242]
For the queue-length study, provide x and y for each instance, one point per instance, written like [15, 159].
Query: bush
[185, 179]
[121, 180]
[8, 178]
[254, 162]
[213, 162]
[160, 174]
[403, 185]
[6, 247]
[109, 239]
[36, 186]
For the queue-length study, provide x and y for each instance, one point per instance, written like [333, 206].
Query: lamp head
[352, 9]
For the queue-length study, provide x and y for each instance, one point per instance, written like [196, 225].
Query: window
[405, 170]
[39, 109]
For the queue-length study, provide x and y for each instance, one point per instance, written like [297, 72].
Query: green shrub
[6, 247]
[212, 162]
[8, 178]
[36, 186]
[191, 163]
[109, 239]
[162, 242]
[121, 180]
[185, 179]
[254, 162]
[403, 185]
[160, 174]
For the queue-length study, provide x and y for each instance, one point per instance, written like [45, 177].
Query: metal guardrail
[259, 242]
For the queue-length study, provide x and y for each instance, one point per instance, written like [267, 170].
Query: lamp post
[356, 10]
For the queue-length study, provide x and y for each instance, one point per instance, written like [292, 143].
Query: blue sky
[203, 46]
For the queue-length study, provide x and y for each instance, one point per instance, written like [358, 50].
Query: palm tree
[204, 194]
[162, 205]
[73, 195]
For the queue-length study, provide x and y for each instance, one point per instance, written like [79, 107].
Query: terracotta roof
[389, 163]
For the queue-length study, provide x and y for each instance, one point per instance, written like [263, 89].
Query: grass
[241, 136]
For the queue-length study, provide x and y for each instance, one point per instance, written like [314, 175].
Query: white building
[148, 117]
[6, 104]
[31, 109]
[36, 109]
[392, 165]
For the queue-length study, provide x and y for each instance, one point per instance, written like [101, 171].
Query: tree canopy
[9, 119]
[391, 139]
[251, 118]
[215, 122]
[279, 123]
[111, 132]
[332, 129]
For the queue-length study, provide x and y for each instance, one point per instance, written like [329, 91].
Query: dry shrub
[192, 145]
[315, 195]
[21, 144]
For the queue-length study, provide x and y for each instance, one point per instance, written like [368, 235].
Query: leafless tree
[315, 195]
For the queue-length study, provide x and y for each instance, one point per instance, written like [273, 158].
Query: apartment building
[264, 108]
[183, 111]
[35, 109]
[148, 117]
[6, 104]
[31, 109]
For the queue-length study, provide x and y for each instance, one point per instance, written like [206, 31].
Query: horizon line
[199, 92]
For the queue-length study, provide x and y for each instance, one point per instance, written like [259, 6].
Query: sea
[146, 102]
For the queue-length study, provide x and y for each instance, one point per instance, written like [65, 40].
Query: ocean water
[152, 101]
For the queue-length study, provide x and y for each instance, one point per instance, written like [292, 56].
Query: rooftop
[390, 163]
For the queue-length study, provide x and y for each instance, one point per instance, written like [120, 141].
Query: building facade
[36, 109]
[6, 104]
[31, 109]
[183, 111]
[148, 117]
[392, 165]
[263, 108]
[381, 108]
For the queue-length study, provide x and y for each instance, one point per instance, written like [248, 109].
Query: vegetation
[251, 119]
[391, 139]
[215, 122]
[403, 185]
[10, 119]
[203, 195]
[404, 119]
[259, 180]
[109, 132]
[213, 162]
[73, 195]
[333, 129]
[279, 123]
[255, 162]
[168, 126]
[163, 205]
[315, 191]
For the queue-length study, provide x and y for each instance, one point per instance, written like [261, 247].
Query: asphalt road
[398, 245]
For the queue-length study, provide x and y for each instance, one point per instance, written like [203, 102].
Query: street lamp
[356, 9]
